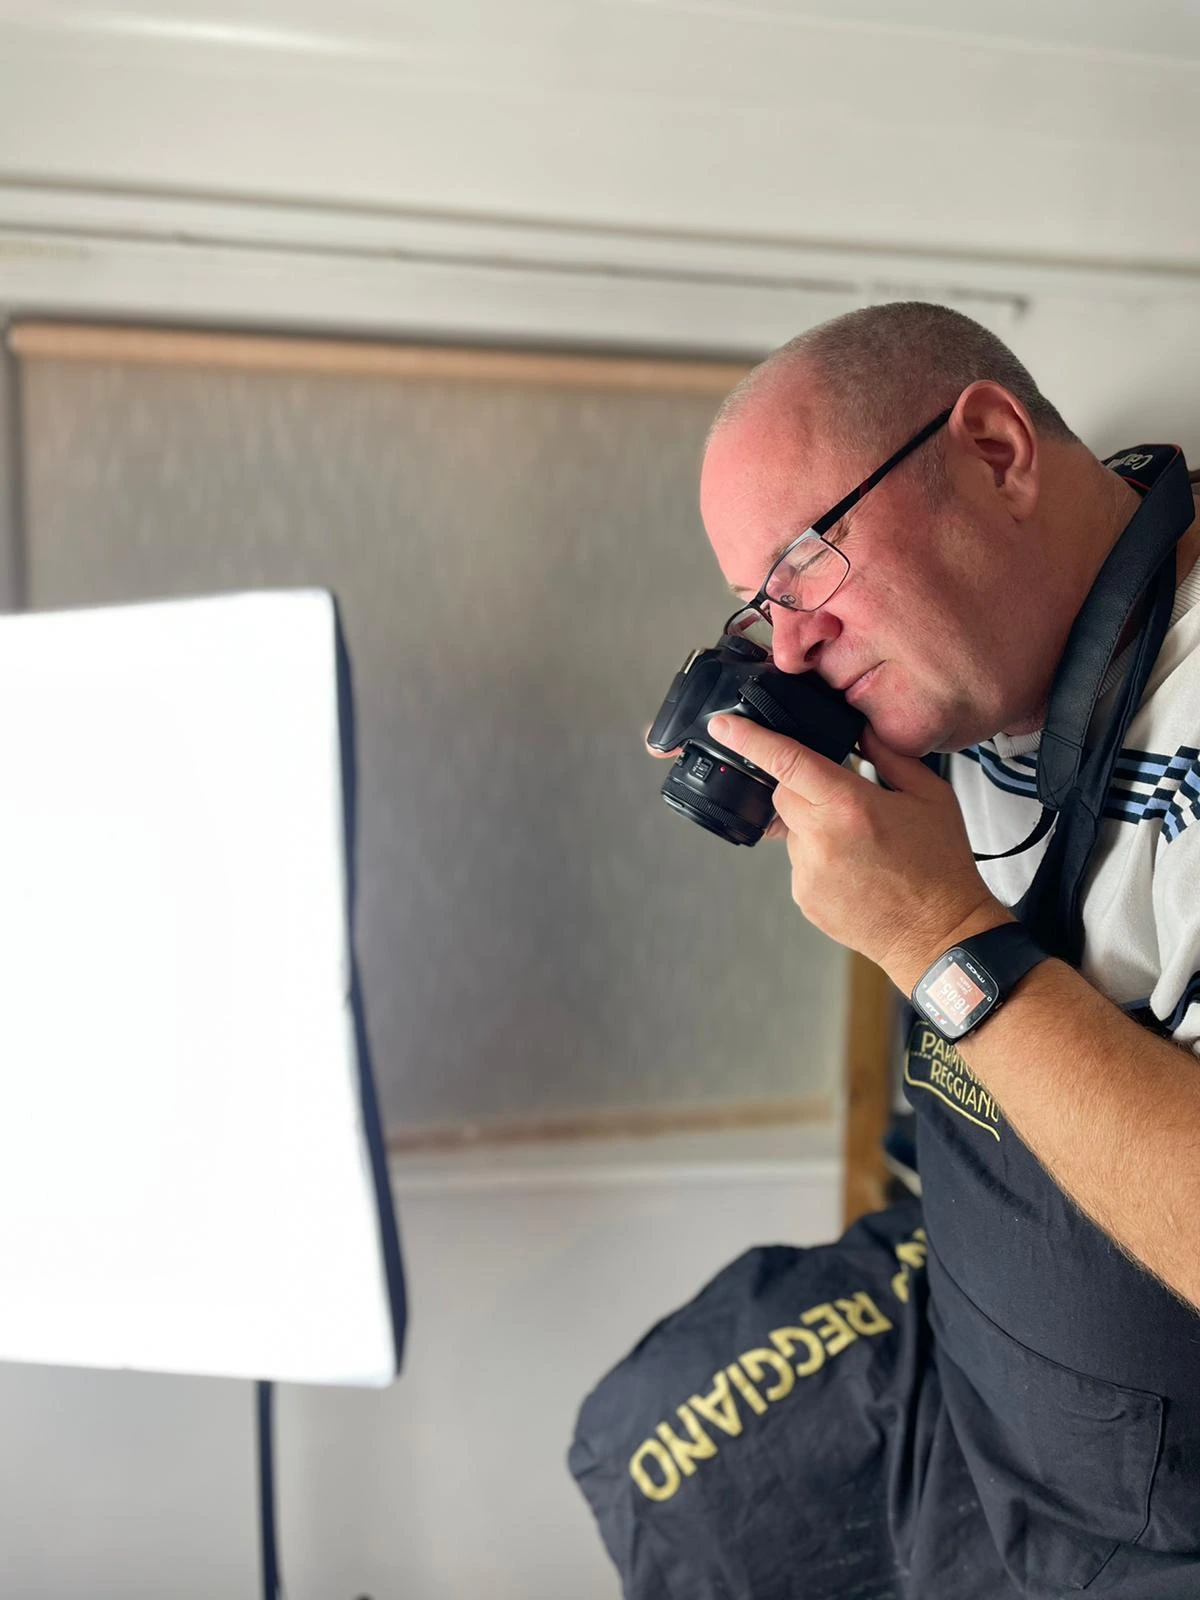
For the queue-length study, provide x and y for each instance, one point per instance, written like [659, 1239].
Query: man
[1035, 1411]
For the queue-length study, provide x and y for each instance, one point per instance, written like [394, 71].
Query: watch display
[956, 993]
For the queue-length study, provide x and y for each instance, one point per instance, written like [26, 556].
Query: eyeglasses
[811, 570]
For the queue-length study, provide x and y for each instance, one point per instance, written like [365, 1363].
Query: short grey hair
[883, 371]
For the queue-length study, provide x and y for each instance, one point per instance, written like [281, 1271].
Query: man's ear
[992, 430]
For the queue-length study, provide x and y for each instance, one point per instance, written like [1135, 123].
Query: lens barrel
[715, 794]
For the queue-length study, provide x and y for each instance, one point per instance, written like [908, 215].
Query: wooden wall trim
[626, 1123]
[252, 352]
[869, 1036]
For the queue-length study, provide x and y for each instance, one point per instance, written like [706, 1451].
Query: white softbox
[192, 1176]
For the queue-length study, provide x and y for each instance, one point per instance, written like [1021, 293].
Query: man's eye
[810, 560]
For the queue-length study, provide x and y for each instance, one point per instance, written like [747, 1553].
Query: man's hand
[889, 874]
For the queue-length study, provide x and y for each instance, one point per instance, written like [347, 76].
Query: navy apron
[977, 1397]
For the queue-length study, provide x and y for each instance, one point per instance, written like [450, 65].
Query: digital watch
[973, 978]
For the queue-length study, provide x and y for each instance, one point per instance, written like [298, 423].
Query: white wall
[1047, 128]
[673, 173]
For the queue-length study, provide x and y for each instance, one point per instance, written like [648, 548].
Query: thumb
[906, 774]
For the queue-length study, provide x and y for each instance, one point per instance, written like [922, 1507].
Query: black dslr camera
[713, 786]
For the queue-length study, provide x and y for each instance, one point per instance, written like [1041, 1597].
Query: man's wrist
[913, 961]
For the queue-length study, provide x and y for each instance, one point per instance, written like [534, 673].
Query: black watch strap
[971, 979]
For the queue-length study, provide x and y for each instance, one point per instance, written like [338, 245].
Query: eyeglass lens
[806, 575]
[750, 625]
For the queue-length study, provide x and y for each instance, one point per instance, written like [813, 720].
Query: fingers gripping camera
[712, 785]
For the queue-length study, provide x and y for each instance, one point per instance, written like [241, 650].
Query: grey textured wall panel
[521, 569]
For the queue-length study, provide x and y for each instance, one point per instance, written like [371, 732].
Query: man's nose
[797, 637]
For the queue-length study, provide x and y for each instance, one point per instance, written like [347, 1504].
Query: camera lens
[719, 796]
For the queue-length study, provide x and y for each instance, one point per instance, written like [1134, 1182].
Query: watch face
[956, 994]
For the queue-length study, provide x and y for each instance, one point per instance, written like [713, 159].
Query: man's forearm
[1111, 1111]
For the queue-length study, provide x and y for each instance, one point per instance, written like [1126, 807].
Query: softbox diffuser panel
[191, 1171]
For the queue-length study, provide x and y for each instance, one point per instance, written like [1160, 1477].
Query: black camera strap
[1075, 763]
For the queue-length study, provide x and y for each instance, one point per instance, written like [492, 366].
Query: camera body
[715, 787]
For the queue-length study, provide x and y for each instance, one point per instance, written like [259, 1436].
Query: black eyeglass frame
[827, 520]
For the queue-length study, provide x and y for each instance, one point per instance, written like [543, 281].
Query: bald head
[864, 382]
[765, 450]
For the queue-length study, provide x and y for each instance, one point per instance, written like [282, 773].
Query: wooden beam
[628, 1123]
[252, 352]
[869, 1037]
